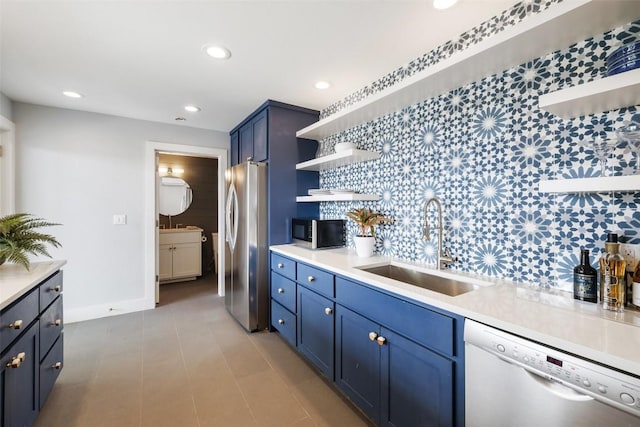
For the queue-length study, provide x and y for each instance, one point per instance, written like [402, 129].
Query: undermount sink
[423, 280]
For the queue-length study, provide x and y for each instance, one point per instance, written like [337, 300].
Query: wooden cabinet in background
[180, 254]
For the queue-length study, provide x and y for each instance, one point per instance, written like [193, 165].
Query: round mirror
[174, 196]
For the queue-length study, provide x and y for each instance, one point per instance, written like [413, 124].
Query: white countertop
[554, 319]
[16, 281]
[190, 228]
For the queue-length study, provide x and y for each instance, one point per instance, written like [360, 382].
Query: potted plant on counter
[18, 238]
[366, 219]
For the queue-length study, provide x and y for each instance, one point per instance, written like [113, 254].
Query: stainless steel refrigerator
[246, 282]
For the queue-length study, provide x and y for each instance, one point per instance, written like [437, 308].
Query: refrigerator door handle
[232, 217]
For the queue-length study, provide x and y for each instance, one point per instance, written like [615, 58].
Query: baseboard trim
[105, 310]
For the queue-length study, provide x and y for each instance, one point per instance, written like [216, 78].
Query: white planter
[364, 245]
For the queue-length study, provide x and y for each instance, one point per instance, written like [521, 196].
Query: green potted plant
[366, 219]
[18, 238]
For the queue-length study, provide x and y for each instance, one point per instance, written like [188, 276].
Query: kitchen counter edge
[16, 281]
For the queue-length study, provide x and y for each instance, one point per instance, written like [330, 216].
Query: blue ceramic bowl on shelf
[633, 47]
[623, 59]
[621, 68]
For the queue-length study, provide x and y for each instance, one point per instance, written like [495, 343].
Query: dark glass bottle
[585, 279]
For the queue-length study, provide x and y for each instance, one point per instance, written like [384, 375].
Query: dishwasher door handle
[558, 389]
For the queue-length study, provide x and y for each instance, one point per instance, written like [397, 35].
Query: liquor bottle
[612, 275]
[635, 289]
[585, 279]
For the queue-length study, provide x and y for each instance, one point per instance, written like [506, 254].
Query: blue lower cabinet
[358, 360]
[20, 371]
[316, 329]
[417, 384]
[284, 321]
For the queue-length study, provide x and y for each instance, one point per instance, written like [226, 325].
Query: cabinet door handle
[56, 288]
[328, 311]
[381, 341]
[16, 325]
[280, 291]
[17, 360]
[56, 322]
[373, 336]
[57, 365]
[280, 265]
[310, 279]
[280, 322]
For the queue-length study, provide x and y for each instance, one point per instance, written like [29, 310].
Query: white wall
[78, 169]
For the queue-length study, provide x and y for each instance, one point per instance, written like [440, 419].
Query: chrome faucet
[444, 258]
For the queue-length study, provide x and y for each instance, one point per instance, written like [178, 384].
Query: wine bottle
[612, 275]
[585, 279]
[635, 288]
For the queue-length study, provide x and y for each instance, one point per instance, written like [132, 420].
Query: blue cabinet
[315, 329]
[416, 384]
[20, 379]
[358, 360]
[269, 135]
[31, 352]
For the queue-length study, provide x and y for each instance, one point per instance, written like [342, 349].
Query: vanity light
[72, 94]
[443, 4]
[321, 85]
[170, 171]
[217, 52]
[192, 108]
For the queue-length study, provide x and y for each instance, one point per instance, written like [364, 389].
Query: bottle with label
[635, 288]
[612, 275]
[585, 279]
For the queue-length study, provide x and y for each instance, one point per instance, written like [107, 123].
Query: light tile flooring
[187, 363]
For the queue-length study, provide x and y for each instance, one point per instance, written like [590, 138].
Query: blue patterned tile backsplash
[482, 149]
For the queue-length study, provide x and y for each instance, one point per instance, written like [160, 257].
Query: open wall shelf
[605, 184]
[333, 161]
[558, 27]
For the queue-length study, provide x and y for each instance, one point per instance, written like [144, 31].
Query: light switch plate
[119, 219]
[631, 254]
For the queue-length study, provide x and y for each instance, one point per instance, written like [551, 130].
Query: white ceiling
[143, 59]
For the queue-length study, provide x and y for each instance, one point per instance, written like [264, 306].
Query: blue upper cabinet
[269, 135]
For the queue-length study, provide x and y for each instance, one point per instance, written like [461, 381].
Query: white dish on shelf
[341, 191]
[318, 191]
[344, 146]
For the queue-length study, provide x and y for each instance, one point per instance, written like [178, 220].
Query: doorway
[153, 149]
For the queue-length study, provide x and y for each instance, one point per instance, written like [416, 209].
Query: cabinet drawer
[283, 290]
[317, 280]
[50, 368]
[422, 325]
[50, 289]
[18, 317]
[283, 266]
[284, 321]
[51, 325]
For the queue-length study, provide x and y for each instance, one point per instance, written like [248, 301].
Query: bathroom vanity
[180, 254]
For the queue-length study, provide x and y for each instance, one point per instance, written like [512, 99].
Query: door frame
[8, 169]
[152, 149]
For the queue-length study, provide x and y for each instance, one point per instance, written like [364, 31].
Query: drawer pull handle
[381, 341]
[310, 279]
[56, 322]
[280, 291]
[280, 322]
[16, 325]
[373, 336]
[16, 361]
[57, 365]
[280, 265]
[56, 288]
[328, 311]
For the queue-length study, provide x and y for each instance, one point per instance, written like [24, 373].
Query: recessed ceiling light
[180, 119]
[443, 4]
[192, 108]
[217, 52]
[72, 94]
[322, 85]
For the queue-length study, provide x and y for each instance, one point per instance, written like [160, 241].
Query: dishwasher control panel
[603, 383]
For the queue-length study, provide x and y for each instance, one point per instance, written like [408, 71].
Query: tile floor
[187, 363]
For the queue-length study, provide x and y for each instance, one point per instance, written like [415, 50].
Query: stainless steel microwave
[318, 233]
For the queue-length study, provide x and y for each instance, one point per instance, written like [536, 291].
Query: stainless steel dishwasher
[511, 381]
